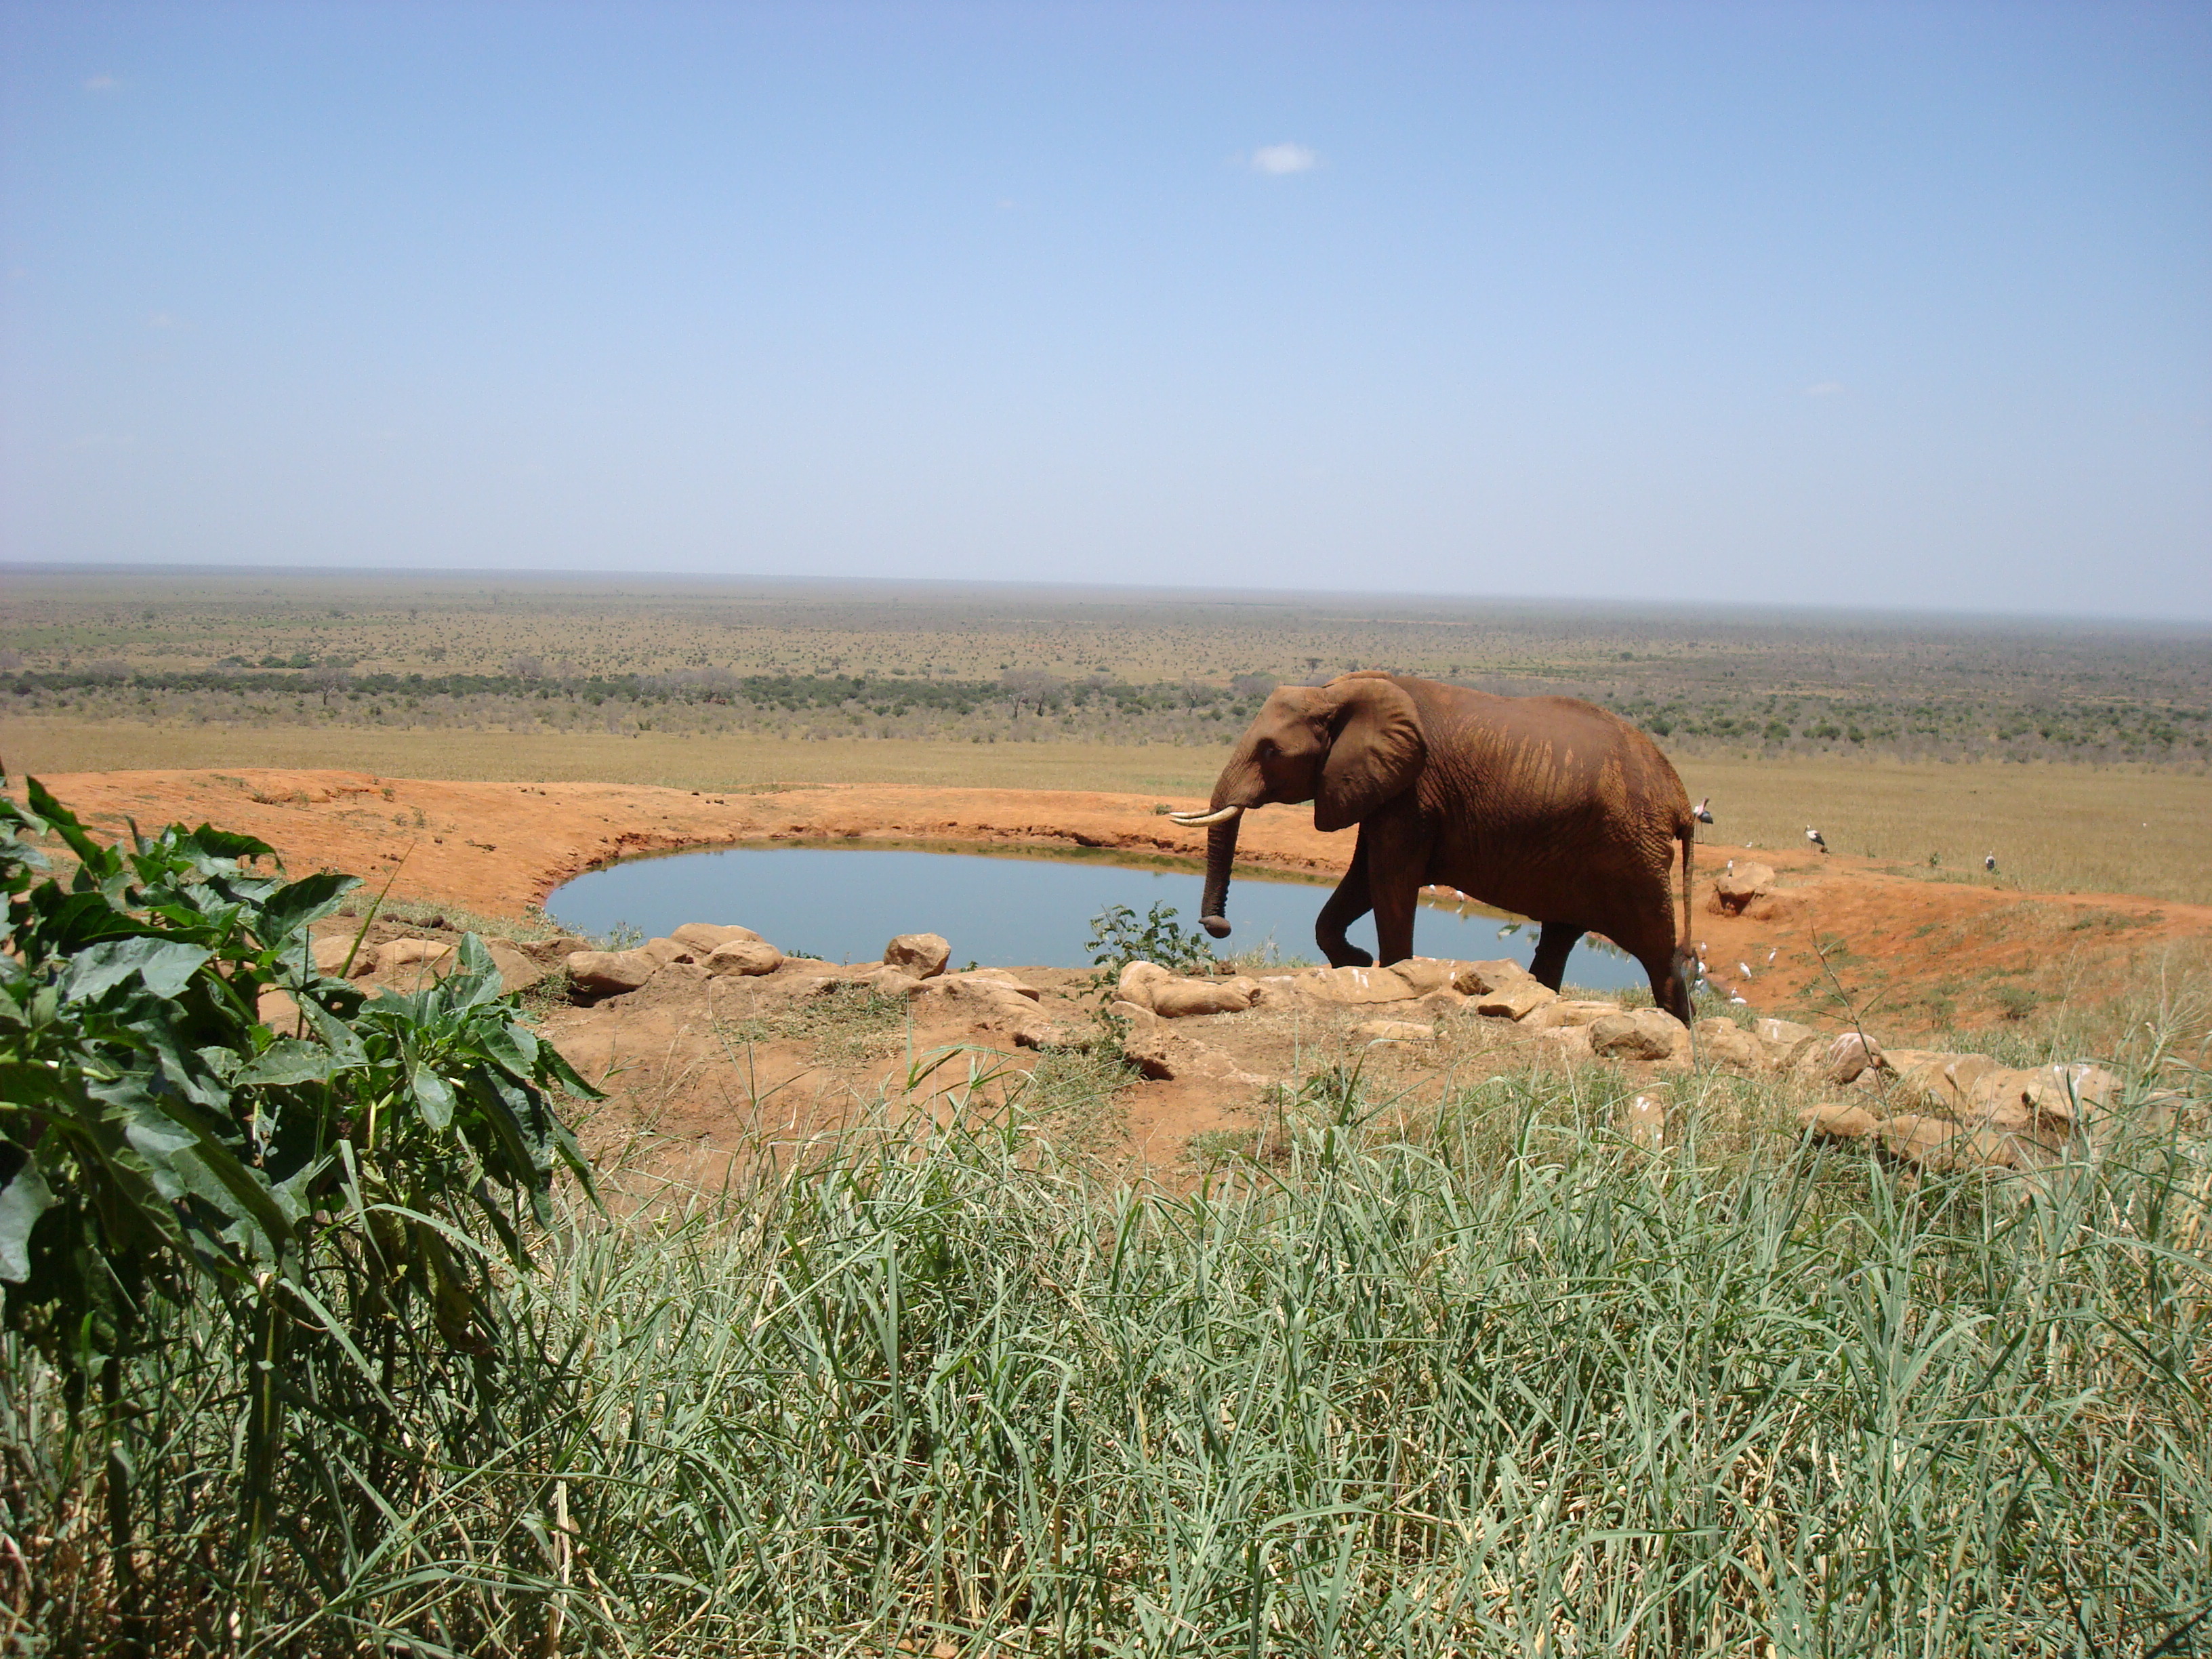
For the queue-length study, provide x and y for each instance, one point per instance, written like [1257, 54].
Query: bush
[328, 1208]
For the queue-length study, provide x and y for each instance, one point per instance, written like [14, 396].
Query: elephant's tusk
[1201, 820]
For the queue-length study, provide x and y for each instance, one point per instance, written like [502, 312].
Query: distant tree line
[1026, 704]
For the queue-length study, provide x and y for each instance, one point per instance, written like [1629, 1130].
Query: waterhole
[998, 911]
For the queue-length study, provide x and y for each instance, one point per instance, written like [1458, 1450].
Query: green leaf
[287, 1060]
[166, 966]
[22, 1201]
[293, 906]
[434, 1096]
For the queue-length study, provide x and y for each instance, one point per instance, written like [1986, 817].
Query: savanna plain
[842, 1332]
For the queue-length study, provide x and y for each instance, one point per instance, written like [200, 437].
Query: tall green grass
[1515, 1387]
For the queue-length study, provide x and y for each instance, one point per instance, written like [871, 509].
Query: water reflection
[843, 902]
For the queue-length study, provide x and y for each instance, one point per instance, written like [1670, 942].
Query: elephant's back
[1558, 754]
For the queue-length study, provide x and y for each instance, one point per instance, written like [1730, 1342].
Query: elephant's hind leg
[1346, 905]
[1553, 946]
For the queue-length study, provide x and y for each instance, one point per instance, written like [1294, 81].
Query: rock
[743, 956]
[395, 956]
[1569, 1044]
[1722, 1041]
[1475, 979]
[1849, 1057]
[1428, 974]
[1352, 987]
[1643, 1120]
[665, 950]
[1938, 1082]
[558, 949]
[922, 955]
[1441, 1004]
[1136, 1012]
[1569, 1010]
[1179, 999]
[1735, 887]
[703, 939]
[1137, 980]
[995, 976]
[1394, 1031]
[1513, 1000]
[1833, 1122]
[611, 973]
[1639, 1034]
[516, 972]
[1784, 1039]
[1920, 1140]
[330, 953]
[2045, 1098]
[983, 997]
[890, 982]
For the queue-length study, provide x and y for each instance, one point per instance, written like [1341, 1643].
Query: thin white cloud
[1285, 158]
[1823, 388]
[101, 83]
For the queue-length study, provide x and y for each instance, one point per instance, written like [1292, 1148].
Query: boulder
[1938, 1082]
[1569, 1044]
[1429, 973]
[922, 955]
[1919, 1139]
[1568, 1012]
[1137, 981]
[516, 971]
[1734, 888]
[331, 952]
[1178, 999]
[996, 977]
[1394, 1031]
[1513, 1000]
[1785, 1041]
[1833, 1122]
[1722, 1041]
[1165, 1054]
[1475, 979]
[1643, 1120]
[611, 973]
[745, 957]
[1352, 987]
[1849, 1058]
[2047, 1099]
[987, 998]
[556, 950]
[703, 939]
[665, 950]
[1639, 1034]
[396, 955]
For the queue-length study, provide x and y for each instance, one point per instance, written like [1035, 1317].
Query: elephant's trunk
[1220, 853]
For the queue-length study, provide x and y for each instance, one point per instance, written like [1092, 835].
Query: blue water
[843, 903]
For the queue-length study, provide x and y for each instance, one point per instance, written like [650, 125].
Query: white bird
[1703, 811]
[1814, 835]
[1738, 1000]
[1770, 955]
[1991, 862]
[1744, 968]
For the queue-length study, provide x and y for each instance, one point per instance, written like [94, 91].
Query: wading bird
[1814, 835]
[1703, 811]
[1990, 863]
[1744, 968]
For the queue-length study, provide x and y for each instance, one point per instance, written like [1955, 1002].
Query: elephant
[1549, 807]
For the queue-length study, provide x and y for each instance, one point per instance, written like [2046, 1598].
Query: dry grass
[2055, 829]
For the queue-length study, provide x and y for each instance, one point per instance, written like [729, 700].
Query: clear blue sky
[1856, 303]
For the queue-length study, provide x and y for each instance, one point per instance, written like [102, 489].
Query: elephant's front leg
[1398, 846]
[1554, 944]
[1346, 906]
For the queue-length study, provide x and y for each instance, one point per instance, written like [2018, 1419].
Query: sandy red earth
[499, 849]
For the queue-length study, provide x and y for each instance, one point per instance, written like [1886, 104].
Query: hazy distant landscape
[992, 664]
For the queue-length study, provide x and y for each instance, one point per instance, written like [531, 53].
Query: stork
[1990, 863]
[1703, 811]
[1814, 836]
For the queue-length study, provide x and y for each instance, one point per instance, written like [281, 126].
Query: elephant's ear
[1377, 752]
